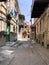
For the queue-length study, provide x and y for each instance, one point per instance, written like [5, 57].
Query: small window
[13, 28]
[25, 26]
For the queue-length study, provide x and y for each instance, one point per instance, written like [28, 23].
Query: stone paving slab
[11, 43]
[25, 56]
[44, 53]
[6, 55]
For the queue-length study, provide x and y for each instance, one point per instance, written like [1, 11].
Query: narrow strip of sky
[25, 8]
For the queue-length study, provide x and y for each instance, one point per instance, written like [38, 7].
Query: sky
[25, 9]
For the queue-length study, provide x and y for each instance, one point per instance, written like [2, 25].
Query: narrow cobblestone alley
[24, 32]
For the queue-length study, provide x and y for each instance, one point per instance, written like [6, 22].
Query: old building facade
[13, 23]
[42, 28]
[27, 29]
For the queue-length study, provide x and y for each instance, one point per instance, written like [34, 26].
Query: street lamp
[8, 17]
[10, 13]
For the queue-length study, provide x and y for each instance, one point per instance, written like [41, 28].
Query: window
[13, 28]
[48, 23]
[40, 26]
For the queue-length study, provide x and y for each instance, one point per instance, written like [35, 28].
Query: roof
[38, 8]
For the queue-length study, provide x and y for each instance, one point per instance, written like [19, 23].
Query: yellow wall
[42, 28]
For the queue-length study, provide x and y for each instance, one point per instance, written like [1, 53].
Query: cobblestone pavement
[6, 55]
[26, 53]
[30, 54]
